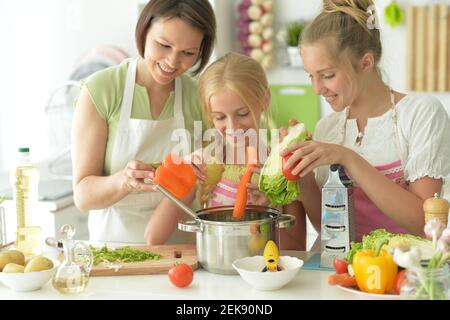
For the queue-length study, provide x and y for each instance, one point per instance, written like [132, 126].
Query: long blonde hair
[240, 74]
[342, 27]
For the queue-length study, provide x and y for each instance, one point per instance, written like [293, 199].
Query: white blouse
[423, 143]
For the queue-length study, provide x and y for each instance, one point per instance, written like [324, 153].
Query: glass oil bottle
[73, 274]
[24, 179]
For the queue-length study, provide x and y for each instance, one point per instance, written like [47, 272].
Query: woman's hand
[135, 174]
[313, 154]
[255, 196]
[284, 131]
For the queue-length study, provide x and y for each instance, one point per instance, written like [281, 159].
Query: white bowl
[28, 281]
[250, 269]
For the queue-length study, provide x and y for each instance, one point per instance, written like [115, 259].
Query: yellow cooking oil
[24, 179]
[29, 240]
[70, 284]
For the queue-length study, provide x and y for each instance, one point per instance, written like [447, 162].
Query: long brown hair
[197, 13]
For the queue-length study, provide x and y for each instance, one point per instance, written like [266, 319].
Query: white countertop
[308, 284]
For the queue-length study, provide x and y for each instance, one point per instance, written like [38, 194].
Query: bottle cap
[24, 150]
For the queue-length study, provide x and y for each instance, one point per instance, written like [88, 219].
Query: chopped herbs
[122, 254]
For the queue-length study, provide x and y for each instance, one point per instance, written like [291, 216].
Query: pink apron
[224, 194]
[367, 216]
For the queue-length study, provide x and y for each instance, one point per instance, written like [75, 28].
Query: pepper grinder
[436, 208]
[73, 274]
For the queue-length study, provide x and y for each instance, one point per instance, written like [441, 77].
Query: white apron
[147, 141]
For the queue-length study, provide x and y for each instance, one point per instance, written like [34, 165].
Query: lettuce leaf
[396, 240]
[272, 182]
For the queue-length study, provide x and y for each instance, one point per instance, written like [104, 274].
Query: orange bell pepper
[176, 176]
[375, 271]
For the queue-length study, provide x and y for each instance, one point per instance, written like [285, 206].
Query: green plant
[293, 33]
[1, 199]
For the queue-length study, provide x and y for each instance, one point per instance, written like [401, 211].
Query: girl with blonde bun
[392, 145]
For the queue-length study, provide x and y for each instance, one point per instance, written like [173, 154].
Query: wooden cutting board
[161, 266]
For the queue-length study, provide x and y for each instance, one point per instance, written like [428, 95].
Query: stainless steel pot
[221, 240]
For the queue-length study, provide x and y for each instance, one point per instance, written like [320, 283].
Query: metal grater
[337, 226]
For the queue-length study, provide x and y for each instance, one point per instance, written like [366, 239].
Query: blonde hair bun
[331, 5]
[357, 9]
[348, 30]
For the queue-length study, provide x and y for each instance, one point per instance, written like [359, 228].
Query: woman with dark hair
[126, 114]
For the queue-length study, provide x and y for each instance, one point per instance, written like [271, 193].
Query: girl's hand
[313, 154]
[197, 163]
[284, 131]
[255, 196]
[292, 123]
[135, 174]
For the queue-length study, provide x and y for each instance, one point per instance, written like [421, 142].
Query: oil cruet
[73, 274]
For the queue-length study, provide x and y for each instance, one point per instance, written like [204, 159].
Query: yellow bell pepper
[375, 271]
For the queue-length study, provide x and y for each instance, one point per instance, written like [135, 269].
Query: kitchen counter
[308, 284]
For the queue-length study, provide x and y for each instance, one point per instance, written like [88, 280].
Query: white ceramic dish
[29, 281]
[373, 295]
[250, 269]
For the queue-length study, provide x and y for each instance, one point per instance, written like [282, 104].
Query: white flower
[408, 259]
[443, 244]
[433, 229]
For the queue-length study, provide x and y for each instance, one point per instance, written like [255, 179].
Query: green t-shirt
[106, 89]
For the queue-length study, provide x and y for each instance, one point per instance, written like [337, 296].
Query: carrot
[341, 279]
[241, 195]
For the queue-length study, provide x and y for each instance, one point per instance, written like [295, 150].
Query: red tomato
[288, 172]
[401, 276]
[181, 275]
[340, 265]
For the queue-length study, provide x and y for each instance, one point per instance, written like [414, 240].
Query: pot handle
[189, 226]
[286, 221]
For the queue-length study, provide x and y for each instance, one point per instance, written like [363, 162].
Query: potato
[5, 258]
[13, 268]
[38, 263]
[17, 257]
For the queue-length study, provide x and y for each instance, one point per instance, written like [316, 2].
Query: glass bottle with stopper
[73, 274]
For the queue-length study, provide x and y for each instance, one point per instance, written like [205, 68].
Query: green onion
[122, 254]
